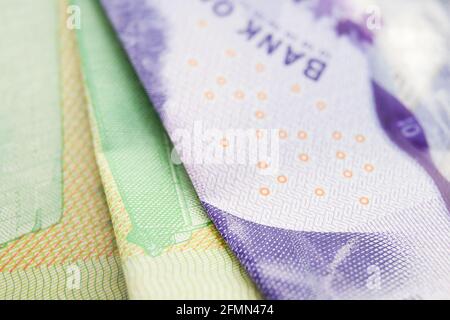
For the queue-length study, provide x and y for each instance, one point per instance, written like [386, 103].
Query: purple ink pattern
[288, 264]
[405, 131]
[153, 48]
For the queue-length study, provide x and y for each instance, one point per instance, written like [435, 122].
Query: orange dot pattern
[364, 200]
[260, 114]
[360, 138]
[302, 135]
[192, 62]
[259, 134]
[264, 191]
[262, 165]
[209, 95]
[261, 96]
[202, 23]
[224, 143]
[295, 88]
[282, 134]
[260, 67]
[321, 105]
[340, 155]
[319, 192]
[303, 157]
[221, 81]
[239, 94]
[337, 135]
[230, 53]
[348, 173]
[282, 179]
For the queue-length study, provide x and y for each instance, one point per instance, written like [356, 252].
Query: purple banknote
[302, 147]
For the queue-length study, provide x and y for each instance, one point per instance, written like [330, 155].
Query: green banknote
[169, 248]
[30, 118]
[44, 120]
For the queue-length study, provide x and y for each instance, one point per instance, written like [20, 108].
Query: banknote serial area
[224, 150]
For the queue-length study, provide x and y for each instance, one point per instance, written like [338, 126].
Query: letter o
[223, 8]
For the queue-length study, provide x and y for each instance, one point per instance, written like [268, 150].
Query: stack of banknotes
[225, 149]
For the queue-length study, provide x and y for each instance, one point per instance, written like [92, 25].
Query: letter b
[314, 69]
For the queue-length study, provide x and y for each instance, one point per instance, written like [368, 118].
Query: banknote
[76, 257]
[419, 77]
[311, 166]
[422, 89]
[168, 246]
[30, 119]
